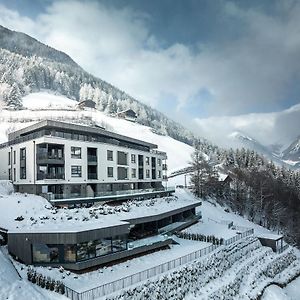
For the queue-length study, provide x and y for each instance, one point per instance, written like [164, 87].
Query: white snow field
[238, 271]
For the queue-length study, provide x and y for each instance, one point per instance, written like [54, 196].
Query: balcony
[57, 158]
[92, 175]
[92, 160]
[164, 167]
[50, 176]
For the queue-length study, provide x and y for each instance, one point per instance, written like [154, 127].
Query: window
[110, 172]
[70, 253]
[133, 158]
[75, 190]
[23, 154]
[75, 152]
[133, 173]
[9, 158]
[110, 155]
[122, 158]
[9, 174]
[159, 161]
[14, 157]
[93, 249]
[147, 173]
[159, 174]
[22, 173]
[45, 253]
[15, 174]
[148, 160]
[76, 171]
[122, 173]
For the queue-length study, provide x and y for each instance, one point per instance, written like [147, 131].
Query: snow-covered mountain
[28, 66]
[292, 153]
[238, 139]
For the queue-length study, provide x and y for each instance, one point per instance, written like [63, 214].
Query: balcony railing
[92, 175]
[49, 156]
[50, 176]
[92, 158]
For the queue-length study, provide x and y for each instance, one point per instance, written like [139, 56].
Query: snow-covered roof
[270, 236]
[37, 215]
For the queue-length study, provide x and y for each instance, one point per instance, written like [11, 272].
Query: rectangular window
[110, 155]
[76, 171]
[147, 173]
[122, 173]
[14, 156]
[133, 173]
[159, 161]
[75, 152]
[148, 160]
[9, 158]
[159, 174]
[22, 173]
[70, 253]
[45, 253]
[15, 175]
[23, 154]
[110, 172]
[9, 174]
[122, 158]
[133, 158]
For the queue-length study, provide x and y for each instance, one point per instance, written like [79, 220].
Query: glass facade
[44, 253]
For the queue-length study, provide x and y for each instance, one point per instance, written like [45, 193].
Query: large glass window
[76, 171]
[75, 190]
[75, 152]
[119, 243]
[147, 173]
[103, 247]
[92, 249]
[110, 155]
[45, 253]
[70, 253]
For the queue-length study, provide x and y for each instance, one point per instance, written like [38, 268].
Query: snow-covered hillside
[178, 152]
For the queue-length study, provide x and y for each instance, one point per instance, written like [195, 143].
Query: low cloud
[254, 71]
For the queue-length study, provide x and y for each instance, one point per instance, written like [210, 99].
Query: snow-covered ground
[48, 100]
[290, 292]
[214, 216]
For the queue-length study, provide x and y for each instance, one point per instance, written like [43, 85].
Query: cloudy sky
[192, 59]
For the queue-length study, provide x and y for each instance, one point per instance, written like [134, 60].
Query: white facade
[151, 173]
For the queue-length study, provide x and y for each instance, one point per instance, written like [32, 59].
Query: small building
[273, 241]
[86, 104]
[78, 245]
[128, 114]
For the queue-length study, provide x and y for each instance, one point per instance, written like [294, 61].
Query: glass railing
[50, 156]
[120, 193]
[92, 175]
[50, 176]
[92, 158]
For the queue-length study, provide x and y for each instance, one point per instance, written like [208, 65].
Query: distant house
[86, 104]
[128, 114]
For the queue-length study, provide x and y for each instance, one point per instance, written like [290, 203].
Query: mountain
[272, 153]
[293, 151]
[27, 66]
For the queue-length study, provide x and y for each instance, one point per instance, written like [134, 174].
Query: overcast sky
[188, 58]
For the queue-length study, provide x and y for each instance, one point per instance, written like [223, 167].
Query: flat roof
[270, 236]
[38, 218]
[78, 128]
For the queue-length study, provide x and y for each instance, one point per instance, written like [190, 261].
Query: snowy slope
[178, 152]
